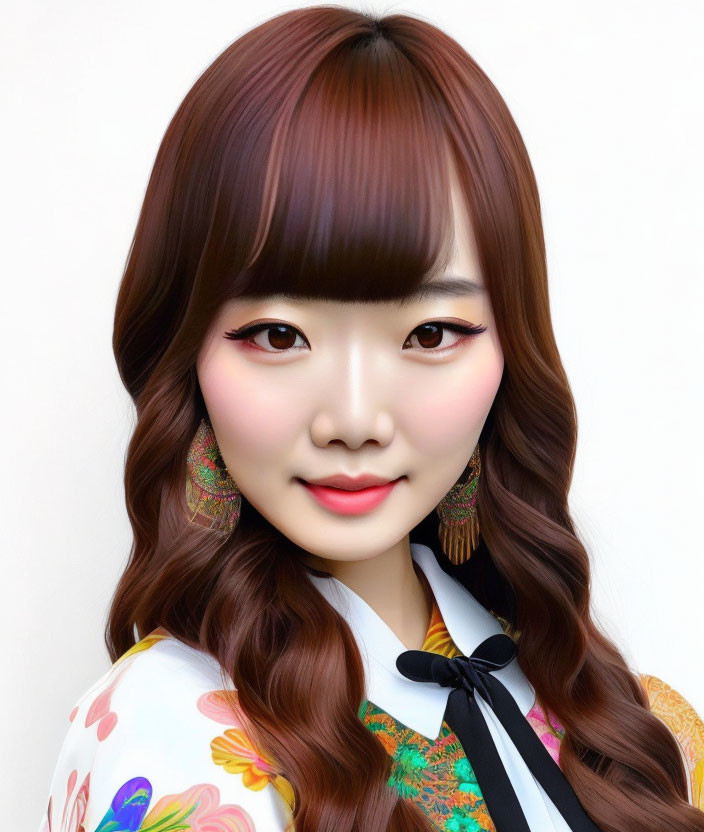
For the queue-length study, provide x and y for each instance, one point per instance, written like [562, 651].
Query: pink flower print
[74, 810]
[550, 734]
[223, 707]
[203, 811]
[99, 710]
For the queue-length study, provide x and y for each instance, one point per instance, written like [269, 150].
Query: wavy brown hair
[312, 158]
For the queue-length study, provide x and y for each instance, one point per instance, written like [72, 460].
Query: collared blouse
[156, 743]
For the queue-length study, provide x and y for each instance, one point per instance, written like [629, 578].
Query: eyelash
[247, 332]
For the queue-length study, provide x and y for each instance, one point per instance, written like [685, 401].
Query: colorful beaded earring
[211, 493]
[459, 523]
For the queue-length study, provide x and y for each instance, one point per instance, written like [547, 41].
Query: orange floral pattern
[687, 726]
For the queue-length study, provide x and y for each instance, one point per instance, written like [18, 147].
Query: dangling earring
[211, 492]
[459, 522]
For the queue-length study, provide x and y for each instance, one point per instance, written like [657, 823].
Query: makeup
[346, 502]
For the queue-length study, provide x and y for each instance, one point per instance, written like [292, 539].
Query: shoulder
[686, 725]
[158, 734]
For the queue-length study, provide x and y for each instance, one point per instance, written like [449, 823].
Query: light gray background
[608, 97]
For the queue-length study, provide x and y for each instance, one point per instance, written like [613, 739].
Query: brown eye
[280, 337]
[273, 337]
[430, 335]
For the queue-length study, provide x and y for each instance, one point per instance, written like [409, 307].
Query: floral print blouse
[155, 745]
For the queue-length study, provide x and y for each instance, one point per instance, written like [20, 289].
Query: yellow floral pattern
[144, 644]
[685, 723]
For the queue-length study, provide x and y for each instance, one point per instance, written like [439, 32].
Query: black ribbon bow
[467, 675]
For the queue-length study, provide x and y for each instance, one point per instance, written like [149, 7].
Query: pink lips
[343, 501]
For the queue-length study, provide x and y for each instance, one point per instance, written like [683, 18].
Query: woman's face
[353, 388]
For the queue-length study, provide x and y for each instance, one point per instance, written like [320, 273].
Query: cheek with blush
[459, 409]
[250, 419]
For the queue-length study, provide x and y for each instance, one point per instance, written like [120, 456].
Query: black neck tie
[462, 714]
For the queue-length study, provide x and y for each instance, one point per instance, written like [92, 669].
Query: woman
[355, 599]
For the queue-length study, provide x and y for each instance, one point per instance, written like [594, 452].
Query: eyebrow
[449, 285]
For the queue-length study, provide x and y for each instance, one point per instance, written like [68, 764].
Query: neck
[389, 582]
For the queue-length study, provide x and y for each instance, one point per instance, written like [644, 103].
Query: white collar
[420, 707]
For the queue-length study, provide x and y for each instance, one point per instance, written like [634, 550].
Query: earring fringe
[458, 530]
[460, 540]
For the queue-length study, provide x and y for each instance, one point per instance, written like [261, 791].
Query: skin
[355, 388]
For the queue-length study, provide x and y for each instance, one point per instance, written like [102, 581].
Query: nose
[354, 408]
